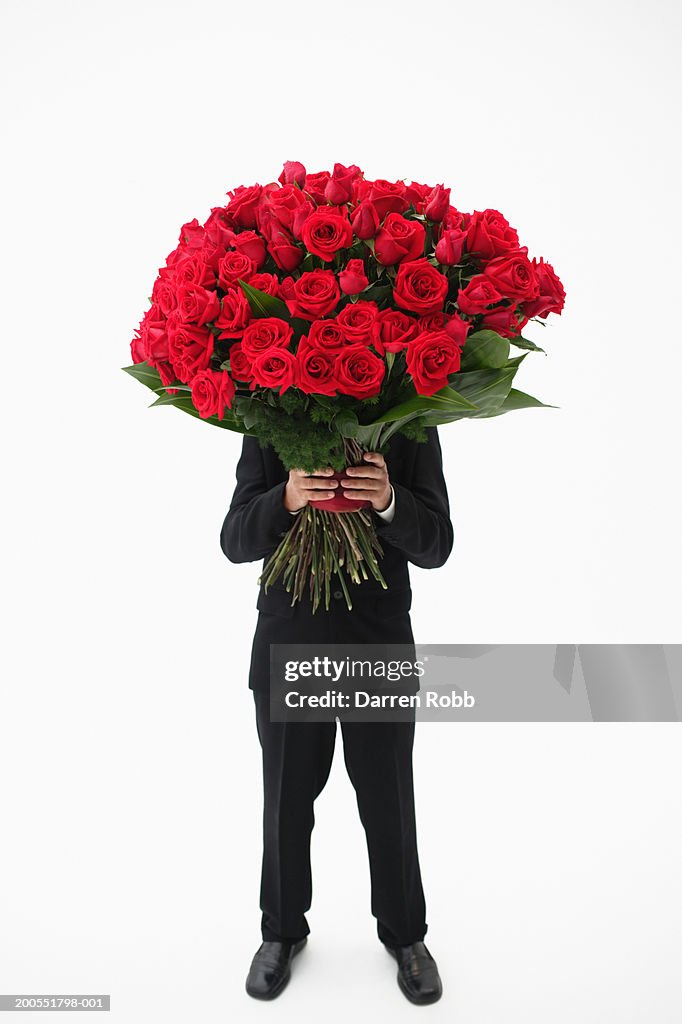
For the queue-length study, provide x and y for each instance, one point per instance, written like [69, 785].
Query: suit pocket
[275, 602]
[393, 602]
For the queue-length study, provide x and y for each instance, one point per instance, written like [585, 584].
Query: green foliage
[485, 350]
[414, 430]
[300, 442]
[263, 304]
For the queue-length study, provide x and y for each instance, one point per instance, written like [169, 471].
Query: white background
[130, 798]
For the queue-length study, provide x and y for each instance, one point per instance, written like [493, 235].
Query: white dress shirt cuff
[388, 513]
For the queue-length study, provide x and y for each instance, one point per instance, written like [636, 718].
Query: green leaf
[346, 423]
[299, 325]
[516, 360]
[184, 403]
[487, 389]
[245, 409]
[263, 304]
[520, 342]
[485, 350]
[324, 401]
[445, 399]
[146, 374]
[377, 292]
[519, 400]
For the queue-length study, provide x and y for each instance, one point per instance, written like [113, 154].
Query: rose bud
[365, 220]
[353, 279]
[437, 204]
[450, 246]
[293, 173]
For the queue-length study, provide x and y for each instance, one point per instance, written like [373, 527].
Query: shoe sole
[416, 1001]
[285, 979]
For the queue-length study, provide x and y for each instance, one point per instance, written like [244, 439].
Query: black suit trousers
[297, 758]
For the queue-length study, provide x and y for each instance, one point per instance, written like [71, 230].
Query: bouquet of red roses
[324, 312]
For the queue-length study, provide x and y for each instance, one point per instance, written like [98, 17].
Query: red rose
[240, 364]
[353, 278]
[251, 244]
[450, 323]
[165, 291]
[265, 333]
[243, 205]
[232, 266]
[212, 391]
[137, 349]
[281, 245]
[274, 368]
[419, 287]
[210, 255]
[399, 239]
[454, 220]
[281, 205]
[450, 245]
[437, 203]
[478, 295]
[457, 329]
[551, 294]
[418, 195]
[189, 348]
[300, 217]
[167, 375]
[153, 332]
[489, 234]
[191, 236]
[365, 220]
[314, 294]
[431, 357]
[326, 231]
[316, 370]
[432, 322]
[392, 330]
[193, 270]
[196, 305]
[339, 188]
[219, 227]
[265, 283]
[356, 321]
[315, 186]
[359, 372]
[286, 255]
[388, 196]
[235, 314]
[513, 275]
[293, 173]
[326, 335]
[504, 321]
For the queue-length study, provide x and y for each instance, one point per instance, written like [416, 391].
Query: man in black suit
[410, 506]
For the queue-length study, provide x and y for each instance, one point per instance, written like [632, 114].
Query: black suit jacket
[420, 532]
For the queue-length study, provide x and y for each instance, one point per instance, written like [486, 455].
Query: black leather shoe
[418, 975]
[271, 968]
